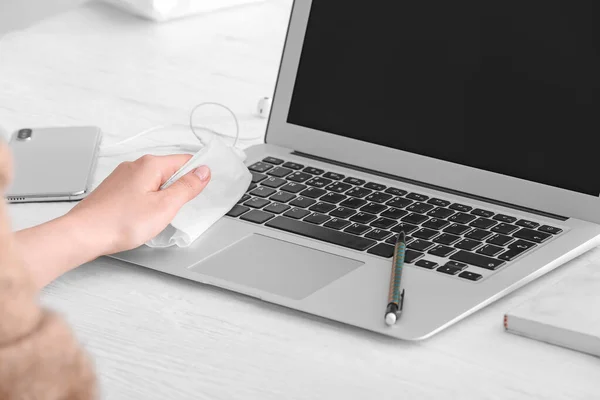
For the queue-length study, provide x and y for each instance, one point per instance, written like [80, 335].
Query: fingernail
[202, 172]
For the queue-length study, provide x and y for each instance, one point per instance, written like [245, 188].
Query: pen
[396, 298]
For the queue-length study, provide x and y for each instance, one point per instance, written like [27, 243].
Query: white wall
[18, 14]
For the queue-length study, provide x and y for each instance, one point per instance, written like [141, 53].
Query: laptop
[466, 125]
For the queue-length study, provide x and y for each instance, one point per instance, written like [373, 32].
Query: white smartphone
[53, 164]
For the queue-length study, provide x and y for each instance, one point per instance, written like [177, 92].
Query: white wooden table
[154, 336]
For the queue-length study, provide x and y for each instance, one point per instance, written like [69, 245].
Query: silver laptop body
[316, 264]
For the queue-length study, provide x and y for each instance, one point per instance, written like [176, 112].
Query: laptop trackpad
[276, 266]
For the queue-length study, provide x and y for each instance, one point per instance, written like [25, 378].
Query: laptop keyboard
[367, 216]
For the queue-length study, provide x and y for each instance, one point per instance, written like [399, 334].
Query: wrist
[80, 235]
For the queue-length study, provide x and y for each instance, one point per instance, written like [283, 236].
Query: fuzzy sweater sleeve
[40, 358]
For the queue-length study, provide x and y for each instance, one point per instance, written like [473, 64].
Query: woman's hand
[128, 209]
[124, 212]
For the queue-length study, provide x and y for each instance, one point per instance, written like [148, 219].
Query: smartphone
[53, 164]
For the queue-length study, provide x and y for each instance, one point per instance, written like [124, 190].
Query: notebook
[565, 314]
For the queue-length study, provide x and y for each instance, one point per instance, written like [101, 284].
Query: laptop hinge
[433, 187]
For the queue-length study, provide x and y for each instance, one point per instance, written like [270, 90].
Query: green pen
[396, 298]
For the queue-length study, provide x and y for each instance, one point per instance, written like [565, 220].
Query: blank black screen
[505, 86]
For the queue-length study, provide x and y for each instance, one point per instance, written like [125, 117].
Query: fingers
[187, 187]
[161, 168]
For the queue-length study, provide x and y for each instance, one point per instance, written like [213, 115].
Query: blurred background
[19, 14]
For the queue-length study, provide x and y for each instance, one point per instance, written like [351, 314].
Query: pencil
[396, 298]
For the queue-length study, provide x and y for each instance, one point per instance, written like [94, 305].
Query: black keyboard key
[436, 223]
[477, 260]
[457, 229]
[550, 229]
[462, 218]
[318, 182]
[280, 172]
[399, 202]
[505, 229]
[257, 216]
[302, 202]
[337, 223]
[293, 165]
[383, 223]
[238, 210]
[333, 198]
[500, 240]
[472, 276]
[299, 177]
[375, 186]
[439, 202]
[395, 191]
[338, 187]
[297, 213]
[425, 233]
[411, 256]
[353, 203]
[378, 234]
[483, 223]
[256, 177]
[244, 198]
[358, 192]
[426, 264]
[282, 197]
[420, 208]
[511, 254]
[333, 176]
[363, 218]
[342, 212]
[478, 234]
[382, 250]
[263, 192]
[482, 213]
[490, 250]
[392, 240]
[447, 239]
[373, 208]
[468, 244]
[313, 192]
[252, 186]
[417, 197]
[256, 203]
[273, 160]
[354, 181]
[455, 264]
[293, 187]
[316, 218]
[415, 219]
[448, 270]
[322, 207]
[312, 170]
[442, 251]
[504, 218]
[440, 213]
[461, 207]
[273, 182]
[260, 167]
[522, 245]
[321, 233]
[404, 227]
[378, 197]
[357, 229]
[527, 224]
[394, 213]
[420, 245]
[277, 208]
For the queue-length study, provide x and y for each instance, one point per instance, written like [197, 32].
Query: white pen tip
[390, 319]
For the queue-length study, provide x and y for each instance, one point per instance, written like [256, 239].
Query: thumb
[187, 187]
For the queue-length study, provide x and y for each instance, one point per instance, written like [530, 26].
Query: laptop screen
[511, 87]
